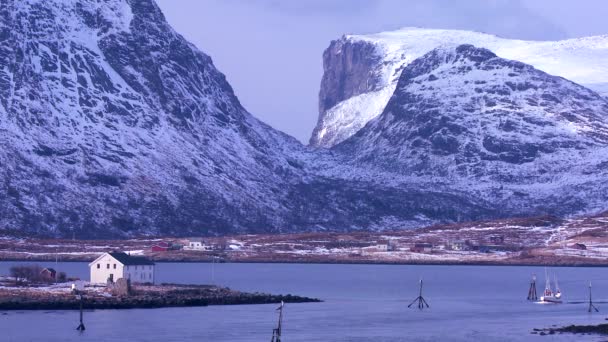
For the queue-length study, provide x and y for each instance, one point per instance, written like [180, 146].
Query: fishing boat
[550, 296]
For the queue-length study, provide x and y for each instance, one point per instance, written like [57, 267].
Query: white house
[374, 249]
[195, 245]
[115, 265]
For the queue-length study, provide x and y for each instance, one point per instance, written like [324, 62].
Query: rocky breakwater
[142, 296]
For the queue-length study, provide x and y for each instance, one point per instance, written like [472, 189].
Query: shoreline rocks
[600, 329]
[144, 296]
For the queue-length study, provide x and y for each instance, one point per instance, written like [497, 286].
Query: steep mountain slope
[361, 71]
[111, 124]
[497, 129]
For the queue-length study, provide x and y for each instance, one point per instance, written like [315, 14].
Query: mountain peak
[361, 71]
[465, 54]
[464, 105]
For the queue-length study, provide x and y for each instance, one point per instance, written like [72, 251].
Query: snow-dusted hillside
[497, 129]
[112, 124]
[361, 71]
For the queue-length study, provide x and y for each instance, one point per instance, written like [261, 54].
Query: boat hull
[550, 300]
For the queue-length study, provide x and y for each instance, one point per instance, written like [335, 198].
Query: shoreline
[143, 297]
[597, 330]
[506, 263]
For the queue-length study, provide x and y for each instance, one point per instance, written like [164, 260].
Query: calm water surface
[362, 303]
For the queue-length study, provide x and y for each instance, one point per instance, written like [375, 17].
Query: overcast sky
[270, 50]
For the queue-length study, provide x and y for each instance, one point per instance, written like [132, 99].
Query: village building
[497, 239]
[115, 265]
[195, 245]
[456, 246]
[161, 247]
[374, 249]
[392, 246]
[422, 248]
[48, 274]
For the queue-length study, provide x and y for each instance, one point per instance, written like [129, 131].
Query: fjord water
[362, 303]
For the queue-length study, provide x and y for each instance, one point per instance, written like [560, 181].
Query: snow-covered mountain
[111, 123]
[361, 71]
[473, 123]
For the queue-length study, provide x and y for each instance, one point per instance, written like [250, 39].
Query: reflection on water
[362, 303]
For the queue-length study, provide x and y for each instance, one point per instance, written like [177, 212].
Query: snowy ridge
[580, 60]
[500, 130]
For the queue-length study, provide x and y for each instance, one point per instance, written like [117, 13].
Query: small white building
[115, 265]
[195, 245]
[374, 249]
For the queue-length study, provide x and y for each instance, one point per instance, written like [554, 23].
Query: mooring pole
[81, 325]
[532, 291]
[276, 333]
[420, 300]
[591, 306]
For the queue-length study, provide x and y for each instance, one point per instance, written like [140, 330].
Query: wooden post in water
[419, 299]
[80, 296]
[532, 291]
[591, 306]
[276, 333]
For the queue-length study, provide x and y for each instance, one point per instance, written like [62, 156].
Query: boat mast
[547, 282]
[532, 291]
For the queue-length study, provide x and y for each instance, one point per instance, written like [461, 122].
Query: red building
[161, 247]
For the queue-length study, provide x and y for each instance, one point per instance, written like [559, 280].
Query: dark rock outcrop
[349, 70]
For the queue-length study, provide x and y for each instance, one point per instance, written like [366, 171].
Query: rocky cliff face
[349, 70]
[580, 60]
[113, 124]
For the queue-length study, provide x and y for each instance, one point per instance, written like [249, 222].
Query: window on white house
[98, 266]
[114, 266]
[108, 266]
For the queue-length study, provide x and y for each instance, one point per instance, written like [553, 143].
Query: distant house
[580, 246]
[48, 274]
[422, 248]
[374, 249]
[115, 265]
[457, 246]
[392, 246]
[161, 247]
[496, 239]
[195, 245]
